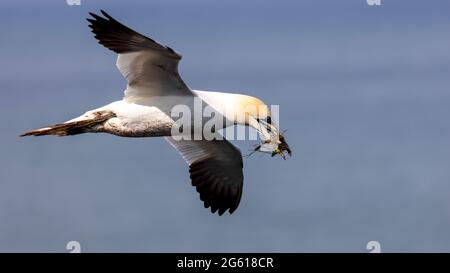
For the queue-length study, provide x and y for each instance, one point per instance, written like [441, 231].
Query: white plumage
[154, 87]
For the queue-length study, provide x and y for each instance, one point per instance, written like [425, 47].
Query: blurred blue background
[363, 92]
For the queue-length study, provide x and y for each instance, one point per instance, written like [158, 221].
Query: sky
[363, 93]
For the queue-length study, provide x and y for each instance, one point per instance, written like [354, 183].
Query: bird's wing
[215, 169]
[150, 68]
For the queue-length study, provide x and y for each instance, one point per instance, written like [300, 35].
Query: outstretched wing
[150, 68]
[215, 168]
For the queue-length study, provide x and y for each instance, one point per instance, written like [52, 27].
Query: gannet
[154, 88]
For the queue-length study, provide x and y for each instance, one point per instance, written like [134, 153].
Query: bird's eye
[269, 120]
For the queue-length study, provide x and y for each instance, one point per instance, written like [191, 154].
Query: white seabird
[154, 87]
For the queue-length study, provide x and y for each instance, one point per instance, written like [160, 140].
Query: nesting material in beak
[274, 147]
[282, 146]
[273, 142]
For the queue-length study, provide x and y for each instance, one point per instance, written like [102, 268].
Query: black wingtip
[222, 211]
[106, 15]
[121, 39]
[93, 15]
[97, 17]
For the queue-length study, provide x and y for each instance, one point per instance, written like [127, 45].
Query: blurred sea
[363, 93]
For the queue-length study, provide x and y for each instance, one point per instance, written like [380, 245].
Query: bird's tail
[77, 126]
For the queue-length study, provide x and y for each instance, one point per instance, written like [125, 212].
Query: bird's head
[259, 116]
[253, 112]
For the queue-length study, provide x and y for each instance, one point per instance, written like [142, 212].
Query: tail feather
[72, 127]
